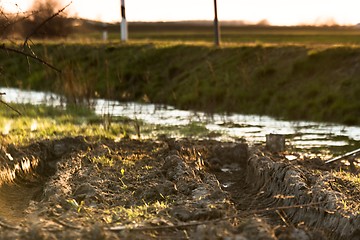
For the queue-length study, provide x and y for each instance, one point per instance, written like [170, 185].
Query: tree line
[44, 19]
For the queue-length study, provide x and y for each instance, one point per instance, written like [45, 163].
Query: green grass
[41, 122]
[135, 214]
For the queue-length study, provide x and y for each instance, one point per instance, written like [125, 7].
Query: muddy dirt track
[82, 188]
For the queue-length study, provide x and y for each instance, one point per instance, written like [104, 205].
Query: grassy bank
[38, 122]
[286, 81]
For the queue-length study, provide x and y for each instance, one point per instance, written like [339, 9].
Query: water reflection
[24, 96]
[251, 127]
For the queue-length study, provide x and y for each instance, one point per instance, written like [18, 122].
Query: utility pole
[123, 24]
[216, 26]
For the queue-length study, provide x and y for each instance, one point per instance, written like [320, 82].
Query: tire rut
[261, 195]
[287, 199]
[24, 172]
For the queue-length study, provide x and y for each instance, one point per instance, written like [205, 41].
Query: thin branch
[11, 23]
[349, 154]
[3, 47]
[6, 104]
[2, 13]
[43, 23]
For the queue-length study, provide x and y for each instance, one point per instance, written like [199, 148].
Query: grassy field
[292, 73]
[230, 33]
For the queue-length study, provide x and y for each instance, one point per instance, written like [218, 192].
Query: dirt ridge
[297, 186]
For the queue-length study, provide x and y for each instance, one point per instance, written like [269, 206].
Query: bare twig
[2, 13]
[3, 47]
[6, 104]
[43, 23]
[11, 23]
[352, 153]
[33, 55]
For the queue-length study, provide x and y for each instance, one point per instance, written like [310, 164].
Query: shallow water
[300, 134]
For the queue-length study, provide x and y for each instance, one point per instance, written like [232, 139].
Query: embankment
[285, 81]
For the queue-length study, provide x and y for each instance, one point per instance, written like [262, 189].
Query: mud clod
[84, 191]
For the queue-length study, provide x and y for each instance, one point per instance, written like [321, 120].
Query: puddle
[227, 184]
[291, 157]
[300, 134]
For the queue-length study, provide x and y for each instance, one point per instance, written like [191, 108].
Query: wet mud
[87, 188]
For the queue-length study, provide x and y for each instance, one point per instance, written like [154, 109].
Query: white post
[123, 25]
[105, 33]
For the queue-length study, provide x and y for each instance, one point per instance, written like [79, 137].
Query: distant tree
[50, 21]
[44, 19]
[7, 22]
[263, 22]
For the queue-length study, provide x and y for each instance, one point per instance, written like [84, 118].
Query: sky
[276, 12]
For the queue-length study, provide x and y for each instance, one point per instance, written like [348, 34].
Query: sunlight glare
[276, 12]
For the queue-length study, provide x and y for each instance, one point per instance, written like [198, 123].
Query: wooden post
[216, 26]
[275, 142]
[123, 25]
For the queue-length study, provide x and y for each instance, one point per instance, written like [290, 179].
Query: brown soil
[81, 188]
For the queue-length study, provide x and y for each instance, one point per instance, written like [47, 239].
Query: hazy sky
[277, 12]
